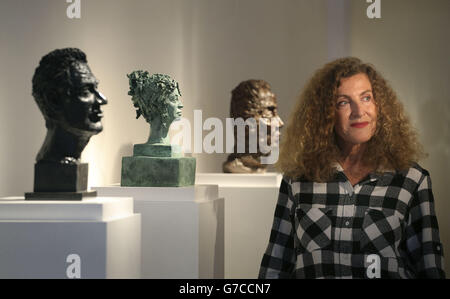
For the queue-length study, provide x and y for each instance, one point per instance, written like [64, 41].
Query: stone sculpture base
[190, 247]
[54, 181]
[55, 177]
[80, 195]
[143, 171]
[40, 239]
[246, 232]
[157, 150]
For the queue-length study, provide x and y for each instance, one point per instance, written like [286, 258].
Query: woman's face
[356, 112]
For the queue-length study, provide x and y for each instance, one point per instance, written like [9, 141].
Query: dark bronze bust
[251, 99]
[65, 91]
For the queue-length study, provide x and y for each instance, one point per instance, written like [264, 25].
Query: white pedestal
[182, 230]
[250, 201]
[38, 237]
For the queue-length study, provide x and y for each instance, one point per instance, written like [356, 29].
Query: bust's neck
[158, 133]
[62, 146]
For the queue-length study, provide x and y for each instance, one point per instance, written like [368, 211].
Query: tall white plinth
[250, 201]
[93, 238]
[182, 230]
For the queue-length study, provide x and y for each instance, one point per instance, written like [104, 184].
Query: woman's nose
[357, 110]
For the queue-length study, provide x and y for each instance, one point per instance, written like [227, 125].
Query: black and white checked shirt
[383, 227]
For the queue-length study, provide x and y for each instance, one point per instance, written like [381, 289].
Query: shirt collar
[382, 174]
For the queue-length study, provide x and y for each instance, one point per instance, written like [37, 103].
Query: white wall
[410, 45]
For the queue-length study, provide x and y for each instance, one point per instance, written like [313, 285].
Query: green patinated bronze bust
[156, 98]
[157, 163]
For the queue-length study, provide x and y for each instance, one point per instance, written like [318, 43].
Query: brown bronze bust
[251, 99]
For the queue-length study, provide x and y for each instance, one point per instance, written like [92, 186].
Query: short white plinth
[182, 230]
[250, 201]
[97, 237]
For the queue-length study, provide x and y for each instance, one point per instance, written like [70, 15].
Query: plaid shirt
[383, 227]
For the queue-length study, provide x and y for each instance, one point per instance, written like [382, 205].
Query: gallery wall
[410, 45]
[210, 46]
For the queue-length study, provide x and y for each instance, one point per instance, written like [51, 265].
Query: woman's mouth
[359, 125]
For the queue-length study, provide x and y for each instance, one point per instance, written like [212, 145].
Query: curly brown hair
[309, 147]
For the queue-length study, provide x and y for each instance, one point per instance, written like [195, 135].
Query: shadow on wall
[125, 150]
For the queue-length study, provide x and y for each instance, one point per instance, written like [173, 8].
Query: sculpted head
[66, 92]
[156, 98]
[255, 99]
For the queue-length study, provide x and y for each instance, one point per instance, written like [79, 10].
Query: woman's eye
[367, 98]
[342, 103]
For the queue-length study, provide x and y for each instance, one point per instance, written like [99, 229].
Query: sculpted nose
[101, 99]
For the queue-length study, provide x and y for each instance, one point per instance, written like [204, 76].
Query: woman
[353, 202]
